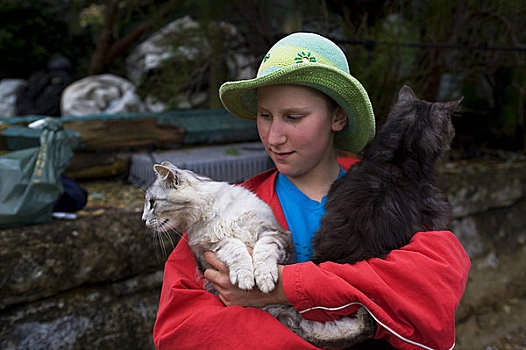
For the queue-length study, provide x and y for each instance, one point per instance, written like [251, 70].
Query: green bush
[31, 32]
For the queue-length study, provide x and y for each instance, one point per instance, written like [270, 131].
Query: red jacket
[412, 295]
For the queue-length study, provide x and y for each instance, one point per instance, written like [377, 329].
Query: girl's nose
[276, 133]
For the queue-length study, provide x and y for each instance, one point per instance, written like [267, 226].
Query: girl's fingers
[213, 261]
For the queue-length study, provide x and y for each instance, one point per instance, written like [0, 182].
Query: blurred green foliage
[31, 32]
[445, 49]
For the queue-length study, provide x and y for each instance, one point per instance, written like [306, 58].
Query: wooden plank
[137, 130]
[211, 126]
[97, 135]
[88, 165]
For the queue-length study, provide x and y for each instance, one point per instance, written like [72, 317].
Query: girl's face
[296, 125]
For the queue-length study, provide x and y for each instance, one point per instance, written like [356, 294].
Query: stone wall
[94, 282]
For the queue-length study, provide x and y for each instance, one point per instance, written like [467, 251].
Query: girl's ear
[339, 119]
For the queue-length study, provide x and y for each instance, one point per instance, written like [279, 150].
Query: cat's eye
[152, 203]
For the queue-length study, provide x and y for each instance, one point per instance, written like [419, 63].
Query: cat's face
[171, 201]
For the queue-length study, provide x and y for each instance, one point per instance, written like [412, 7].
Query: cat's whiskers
[177, 232]
[164, 230]
[162, 243]
[156, 237]
[164, 237]
[161, 229]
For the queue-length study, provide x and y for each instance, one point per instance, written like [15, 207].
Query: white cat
[226, 219]
[222, 218]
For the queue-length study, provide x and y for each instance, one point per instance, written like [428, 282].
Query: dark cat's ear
[166, 174]
[406, 94]
[453, 104]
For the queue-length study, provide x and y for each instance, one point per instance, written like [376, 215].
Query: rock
[493, 233]
[476, 186]
[74, 289]
[100, 94]
[39, 261]
[153, 104]
[487, 201]
[90, 283]
[184, 43]
[8, 89]
[119, 316]
[159, 47]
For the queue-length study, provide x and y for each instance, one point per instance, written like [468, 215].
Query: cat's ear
[166, 174]
[406, 94]
[453, 104]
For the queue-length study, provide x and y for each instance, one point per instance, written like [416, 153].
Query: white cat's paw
[266, 277]
[242, 278]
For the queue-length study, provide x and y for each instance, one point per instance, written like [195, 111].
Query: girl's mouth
[282, 155]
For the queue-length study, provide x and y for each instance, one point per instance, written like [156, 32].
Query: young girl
[307, 106]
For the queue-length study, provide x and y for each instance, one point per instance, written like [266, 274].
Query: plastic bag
[30, 178]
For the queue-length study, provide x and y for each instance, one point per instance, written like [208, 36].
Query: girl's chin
[287, 170]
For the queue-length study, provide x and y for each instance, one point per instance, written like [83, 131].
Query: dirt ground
[492, 313]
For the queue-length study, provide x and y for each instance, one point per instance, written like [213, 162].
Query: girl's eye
[264, 115]
[294, 117]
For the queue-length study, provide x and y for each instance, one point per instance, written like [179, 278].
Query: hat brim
[240, 98]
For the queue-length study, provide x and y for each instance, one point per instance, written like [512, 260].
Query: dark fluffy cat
[380, 204]
[392, 193]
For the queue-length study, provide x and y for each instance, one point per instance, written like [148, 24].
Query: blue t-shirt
[303, 215]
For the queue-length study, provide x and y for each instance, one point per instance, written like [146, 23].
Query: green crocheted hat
[311, 60]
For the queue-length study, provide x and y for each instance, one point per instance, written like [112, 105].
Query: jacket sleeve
[191, 318]
[412, 294]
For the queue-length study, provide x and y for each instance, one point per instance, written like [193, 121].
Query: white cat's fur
[227, 219]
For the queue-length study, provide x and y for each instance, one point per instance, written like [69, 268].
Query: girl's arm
[412, 294]
[192, 318]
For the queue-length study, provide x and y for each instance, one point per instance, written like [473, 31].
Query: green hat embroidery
[311, 60]
[304, 57]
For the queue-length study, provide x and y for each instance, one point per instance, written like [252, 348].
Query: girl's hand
[232, 295]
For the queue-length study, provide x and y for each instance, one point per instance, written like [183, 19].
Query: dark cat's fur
[392, 193]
